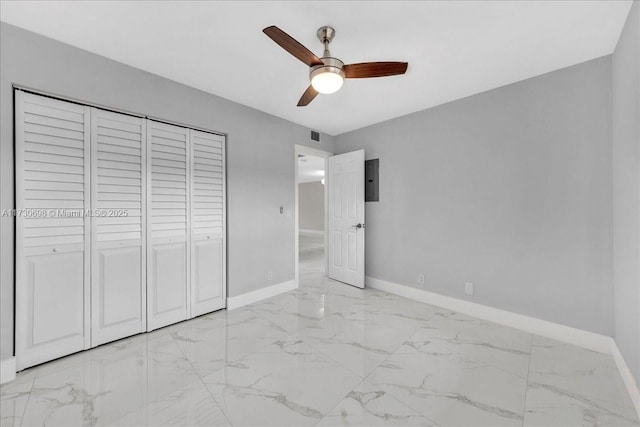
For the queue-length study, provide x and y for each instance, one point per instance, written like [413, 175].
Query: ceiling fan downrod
[325, 35]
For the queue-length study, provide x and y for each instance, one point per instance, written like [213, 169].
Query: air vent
[315, 136]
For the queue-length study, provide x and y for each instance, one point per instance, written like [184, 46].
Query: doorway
[311, 213]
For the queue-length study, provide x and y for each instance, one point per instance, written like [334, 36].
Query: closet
[120, 226]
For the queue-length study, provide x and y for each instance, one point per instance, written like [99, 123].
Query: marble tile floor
[325, 354]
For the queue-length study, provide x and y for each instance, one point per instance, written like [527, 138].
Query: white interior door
[52, 232]
[346, 218]
[208, 261]
[118, 259]
[168, 225]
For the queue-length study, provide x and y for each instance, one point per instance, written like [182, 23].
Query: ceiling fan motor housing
[331, 65]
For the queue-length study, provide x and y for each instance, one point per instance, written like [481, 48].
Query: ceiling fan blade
[374, 69]
[307, 96]
[292, 46]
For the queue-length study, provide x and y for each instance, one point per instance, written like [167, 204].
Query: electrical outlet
[269, 275]
[468, 288]
[421, 280]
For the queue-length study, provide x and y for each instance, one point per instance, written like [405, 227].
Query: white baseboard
[260, 294]
[627, 376]
[7, 370]
[590, 340]
[305, 231]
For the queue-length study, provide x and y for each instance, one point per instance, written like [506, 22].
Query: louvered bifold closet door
[118, 167]
[168, 214]
[207, 223]
[52, 230]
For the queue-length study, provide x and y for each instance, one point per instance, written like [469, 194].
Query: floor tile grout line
[137, 408]
[338, 403]
[261, 348]
[526, 385]
[453, 348]
[24, 410]
[392, 395]
[201, 380]
[329, 356]
[90, 362]
[224, 414]
[158, 398]
[588, 402]
[364, 379]
[476, 359]
[259, 351]
[357, 374]
[450, 348]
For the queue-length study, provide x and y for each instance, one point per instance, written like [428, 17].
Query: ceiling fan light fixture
[327, 78]
[327, 82]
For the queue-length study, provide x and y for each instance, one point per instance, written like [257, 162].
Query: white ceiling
[454, 48]
[310, 169]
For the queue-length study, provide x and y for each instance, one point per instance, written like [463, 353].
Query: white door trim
[309, 151]
[8, 370]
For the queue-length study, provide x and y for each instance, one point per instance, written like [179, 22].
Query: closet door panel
[169, 262]
[52, 231]
[208, 261]
[207, 275]
[120, 288]
[168, 225]
[63, 273]
[118, 229]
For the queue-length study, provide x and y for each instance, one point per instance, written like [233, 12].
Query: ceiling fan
[328, 73]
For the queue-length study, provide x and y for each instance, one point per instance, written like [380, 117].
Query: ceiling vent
[315, 136]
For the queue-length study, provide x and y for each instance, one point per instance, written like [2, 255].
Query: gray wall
[260, 153]
[311, 206]
[626, 190]
[509, 189]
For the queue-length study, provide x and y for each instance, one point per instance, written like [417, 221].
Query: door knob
[358, 226]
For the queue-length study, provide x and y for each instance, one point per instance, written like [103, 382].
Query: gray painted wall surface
[311, 206]
[260, 153]
[626, 190]
[509, 189]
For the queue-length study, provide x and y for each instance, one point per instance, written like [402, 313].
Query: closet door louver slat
[207, 223]
[118, 227]
[168, 227]
[52, 232]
